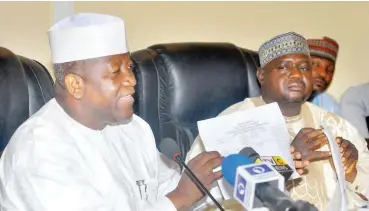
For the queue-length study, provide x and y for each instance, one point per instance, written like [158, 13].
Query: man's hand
[307, 141]
[187, 193]
[349, 158]
[300, 165]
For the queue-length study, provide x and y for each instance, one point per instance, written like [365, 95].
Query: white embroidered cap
[87, 35]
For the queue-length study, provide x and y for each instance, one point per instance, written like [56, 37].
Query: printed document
[263, 128]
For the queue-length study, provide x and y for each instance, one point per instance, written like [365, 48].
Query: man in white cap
[285, 77]
[85, 149]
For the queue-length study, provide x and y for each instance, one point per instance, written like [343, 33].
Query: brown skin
[187, 193]
[287, 80]
[307, 141]
[323, 70]
[98, 92]
[96, 100]
[350, 156]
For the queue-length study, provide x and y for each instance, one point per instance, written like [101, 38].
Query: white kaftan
[53, 163]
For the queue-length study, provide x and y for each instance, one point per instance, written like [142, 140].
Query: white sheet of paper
[262, 128]
[336, 156]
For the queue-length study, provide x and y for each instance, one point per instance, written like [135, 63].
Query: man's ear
[260, 74]
[74, 85]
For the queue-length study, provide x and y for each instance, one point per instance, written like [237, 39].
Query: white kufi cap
[87, 35]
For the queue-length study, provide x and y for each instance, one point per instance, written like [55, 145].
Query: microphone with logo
[276, 161]
[171, 149]
[256, 186]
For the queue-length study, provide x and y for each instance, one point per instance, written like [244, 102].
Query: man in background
[323, 54]
[285, 77]
[355, 108]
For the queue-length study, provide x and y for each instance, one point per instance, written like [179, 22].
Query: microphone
[256, 185]
[305, 206]
[276, 161]
[171, 149]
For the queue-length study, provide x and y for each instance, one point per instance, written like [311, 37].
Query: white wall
[246, 24]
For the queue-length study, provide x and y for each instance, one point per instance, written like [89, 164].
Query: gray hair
[61, 70]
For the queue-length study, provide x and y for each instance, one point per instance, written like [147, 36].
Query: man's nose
[129, 80]
[295, 73]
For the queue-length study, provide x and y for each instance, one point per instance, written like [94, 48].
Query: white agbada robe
[53, 163]
[319, 185]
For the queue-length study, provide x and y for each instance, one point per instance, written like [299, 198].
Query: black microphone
[170, 149]
[305, 206]
[276, 161]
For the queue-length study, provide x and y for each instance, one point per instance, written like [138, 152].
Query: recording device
[256, 185]
[276, 161]
[171, 149]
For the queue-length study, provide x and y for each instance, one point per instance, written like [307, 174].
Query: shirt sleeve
[53, 179]
[353, 110]
[169, 174]
[358, 191]
[197, 147]
[49, 182]
[168, 178]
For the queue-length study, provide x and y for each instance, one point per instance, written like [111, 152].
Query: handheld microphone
[171, 149]
[276, 161]
[256, 185]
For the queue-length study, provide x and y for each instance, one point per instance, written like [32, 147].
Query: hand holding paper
[349, 159]
[307, 141]
[262, 128]
[300, 164]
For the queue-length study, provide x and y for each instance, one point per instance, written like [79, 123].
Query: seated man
[323, 54]
[85, 149]
[285, 78]
[355, 108]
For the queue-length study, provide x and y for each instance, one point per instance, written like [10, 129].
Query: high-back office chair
[25, 86]
[181, 83]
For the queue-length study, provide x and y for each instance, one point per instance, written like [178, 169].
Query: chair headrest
[202, 79]
[13, 95]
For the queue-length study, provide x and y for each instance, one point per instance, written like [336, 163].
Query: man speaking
[85, 149]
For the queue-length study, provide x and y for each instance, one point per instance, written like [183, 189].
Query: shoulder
[247, 103]
[36, 148]
[43, 135]
[43, 124]
[319, 112]
[338, 125]
[324, 100]
[356, 92]
[329, 97]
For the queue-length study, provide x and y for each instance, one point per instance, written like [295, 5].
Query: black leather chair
[25, 86]
[181, 83]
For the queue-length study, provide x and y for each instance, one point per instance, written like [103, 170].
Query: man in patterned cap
[285, 77]
[323, 54]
